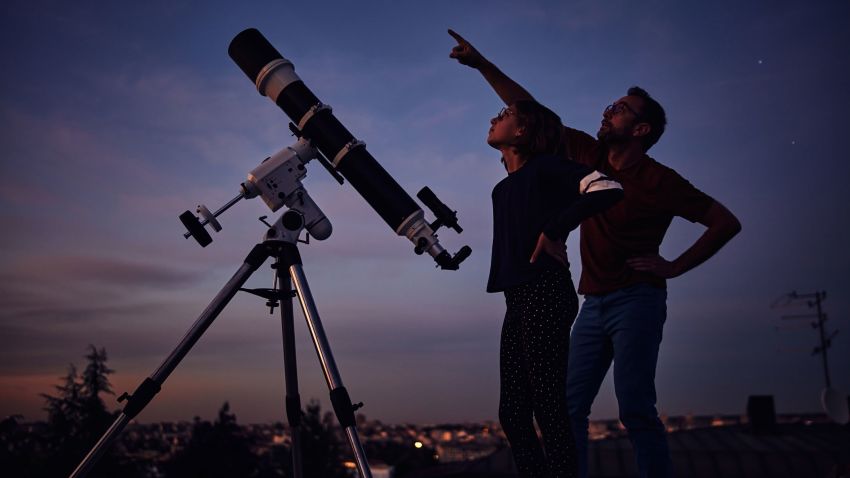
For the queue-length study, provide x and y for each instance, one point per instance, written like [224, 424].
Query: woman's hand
[556, 249]
[464, 52]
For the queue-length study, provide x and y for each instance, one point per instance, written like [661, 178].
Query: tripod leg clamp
[343, 407]
[140, 398]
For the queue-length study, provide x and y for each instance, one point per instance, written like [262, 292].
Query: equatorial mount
[277, 180]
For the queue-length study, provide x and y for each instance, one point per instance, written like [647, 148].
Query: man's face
[619, 120]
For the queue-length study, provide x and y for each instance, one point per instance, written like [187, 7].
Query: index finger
[457, 37]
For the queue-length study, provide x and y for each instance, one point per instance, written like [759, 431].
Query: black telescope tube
[254, 54]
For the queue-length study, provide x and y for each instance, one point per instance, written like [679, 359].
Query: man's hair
[651, 113]
[543, 128]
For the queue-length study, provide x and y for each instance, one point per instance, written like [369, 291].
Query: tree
[64, 411]
[322, 450]
[94, 417]
[220, 449]
[19, 448]
[76, 418]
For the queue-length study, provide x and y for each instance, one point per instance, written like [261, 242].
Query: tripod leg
[290, 369]
[151, 385]
[342, 405]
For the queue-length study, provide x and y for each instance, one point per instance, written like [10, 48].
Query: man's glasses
[619, 107]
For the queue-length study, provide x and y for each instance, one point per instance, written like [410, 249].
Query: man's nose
[494, 119]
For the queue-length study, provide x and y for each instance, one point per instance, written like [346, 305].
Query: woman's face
[505, 129]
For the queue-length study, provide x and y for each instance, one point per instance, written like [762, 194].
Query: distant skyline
[118, 117]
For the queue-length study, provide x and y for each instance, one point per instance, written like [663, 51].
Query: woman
[541, 200]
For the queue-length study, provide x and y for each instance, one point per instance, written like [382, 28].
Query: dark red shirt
[635, 226]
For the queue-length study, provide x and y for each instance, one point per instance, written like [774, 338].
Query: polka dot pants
[533, 373]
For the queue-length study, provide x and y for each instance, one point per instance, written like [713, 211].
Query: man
[623, 277]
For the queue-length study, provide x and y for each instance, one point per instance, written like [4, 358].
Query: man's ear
[641, 129]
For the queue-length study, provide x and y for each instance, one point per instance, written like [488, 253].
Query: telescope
[277, 180]
[322, 136]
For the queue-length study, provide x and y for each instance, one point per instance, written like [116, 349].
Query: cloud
[98, 271]
[24, 194]
[50, 302]
[61, 162]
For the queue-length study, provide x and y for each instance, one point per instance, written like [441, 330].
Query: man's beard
[609, 137]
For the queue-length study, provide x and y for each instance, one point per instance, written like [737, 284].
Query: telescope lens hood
[252, 52]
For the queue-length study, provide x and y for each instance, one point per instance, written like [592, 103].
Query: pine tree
[77, 417]
[64, 411]
[94, 418]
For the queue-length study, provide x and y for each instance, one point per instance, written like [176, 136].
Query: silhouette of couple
[552, 363]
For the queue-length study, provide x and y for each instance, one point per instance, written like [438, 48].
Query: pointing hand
[464, 52]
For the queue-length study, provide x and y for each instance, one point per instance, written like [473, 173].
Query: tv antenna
[834, 403]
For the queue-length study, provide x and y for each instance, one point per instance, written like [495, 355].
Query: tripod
[280, 243]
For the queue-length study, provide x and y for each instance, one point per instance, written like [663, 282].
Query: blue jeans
[624, 326]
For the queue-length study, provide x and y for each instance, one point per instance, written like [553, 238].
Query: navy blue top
[544, 195]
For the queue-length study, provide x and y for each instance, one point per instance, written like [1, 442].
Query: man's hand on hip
[654, 264]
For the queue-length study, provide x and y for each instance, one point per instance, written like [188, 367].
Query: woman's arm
[507, 89]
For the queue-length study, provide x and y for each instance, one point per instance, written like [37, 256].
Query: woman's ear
[520, 132]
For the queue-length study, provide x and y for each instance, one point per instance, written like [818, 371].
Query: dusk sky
[118, 116]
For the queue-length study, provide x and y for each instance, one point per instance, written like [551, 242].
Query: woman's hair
[543, 128]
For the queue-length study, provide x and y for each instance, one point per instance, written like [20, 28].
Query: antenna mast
[813, 300]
